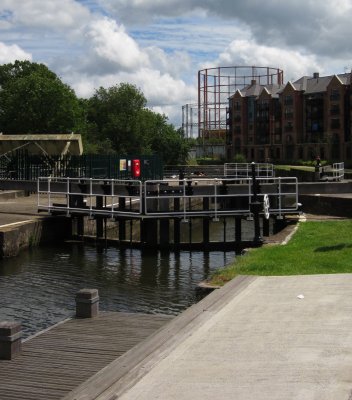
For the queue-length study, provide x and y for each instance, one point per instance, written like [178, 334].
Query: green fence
[23, 166]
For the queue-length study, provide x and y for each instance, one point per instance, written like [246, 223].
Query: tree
[119, 116]
[114, 113]
[34, 100]
[163, 139]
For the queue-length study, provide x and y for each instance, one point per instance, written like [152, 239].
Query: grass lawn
[299, 167]
[317, 247]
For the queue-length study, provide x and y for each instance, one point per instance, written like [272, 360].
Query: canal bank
[22, 227]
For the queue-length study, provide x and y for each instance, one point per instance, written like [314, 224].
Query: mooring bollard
[87, 303]
[10, 339]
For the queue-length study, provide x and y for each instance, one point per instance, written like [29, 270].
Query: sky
[159, 45]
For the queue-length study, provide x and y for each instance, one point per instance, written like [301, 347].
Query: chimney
[316, 75]
[253, 82]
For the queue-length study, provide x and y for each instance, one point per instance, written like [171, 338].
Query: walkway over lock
[171, 198]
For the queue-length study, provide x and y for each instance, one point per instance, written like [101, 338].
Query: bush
[239, 158]
[209, 161]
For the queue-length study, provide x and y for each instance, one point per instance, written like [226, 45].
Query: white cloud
[164, 93]
[322, 27]
[9, 54]
[293, 63]
[110, 41]
[142, 11]
[175, 64]
[162, 89]
[52, 14]
[92, 43]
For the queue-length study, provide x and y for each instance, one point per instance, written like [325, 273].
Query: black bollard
[10, 339]
[87, 303]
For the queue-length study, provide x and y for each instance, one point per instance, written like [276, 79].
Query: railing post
[10, 340]
[87, 303]
[255, 207]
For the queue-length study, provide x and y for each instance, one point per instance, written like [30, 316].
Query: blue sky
[159, 45]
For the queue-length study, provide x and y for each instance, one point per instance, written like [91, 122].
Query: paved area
[276, 338]
[15, 207]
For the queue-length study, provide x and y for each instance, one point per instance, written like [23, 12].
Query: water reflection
[38, 287]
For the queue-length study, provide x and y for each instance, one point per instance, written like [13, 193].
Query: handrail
[157, 198]
[67, 189]
[239, 170]
[338, 170]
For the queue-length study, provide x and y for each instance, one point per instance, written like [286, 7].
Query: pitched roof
[320, 84]
[256, 89]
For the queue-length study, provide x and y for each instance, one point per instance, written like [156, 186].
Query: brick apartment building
[301, 120]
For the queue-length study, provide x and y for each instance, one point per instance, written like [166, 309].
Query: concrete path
[15, 207]
[268, 338]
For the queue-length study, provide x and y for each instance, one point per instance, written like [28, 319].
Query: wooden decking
[60, 359]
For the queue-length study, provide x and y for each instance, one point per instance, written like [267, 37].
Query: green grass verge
[317, 247]
[298, 167]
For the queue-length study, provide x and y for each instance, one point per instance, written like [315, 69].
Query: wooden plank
[60, 359]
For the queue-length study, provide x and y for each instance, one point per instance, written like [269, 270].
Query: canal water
[38, 287]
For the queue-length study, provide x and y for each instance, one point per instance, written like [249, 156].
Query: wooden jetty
[58, 360]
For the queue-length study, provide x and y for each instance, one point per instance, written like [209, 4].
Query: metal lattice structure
[207, 118]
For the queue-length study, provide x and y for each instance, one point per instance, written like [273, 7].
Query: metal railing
[161, 200]
[229, 196]
[203, 197]
[77, 195]
[210, 171]
[338, 171]
[239, 170]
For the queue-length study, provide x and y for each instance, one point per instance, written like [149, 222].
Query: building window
[289, 127]
[288, 100]
[237, 105]
[334, 95]
[335, 123]
[335, 109]
[288, 113]
[289, 139]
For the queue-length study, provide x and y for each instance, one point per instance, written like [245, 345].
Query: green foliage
[113, 115]
[318, 247]
[239, 158]
[192, 161]
[34, 100]
[119, 116]
[114, 120]
[209, 161]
